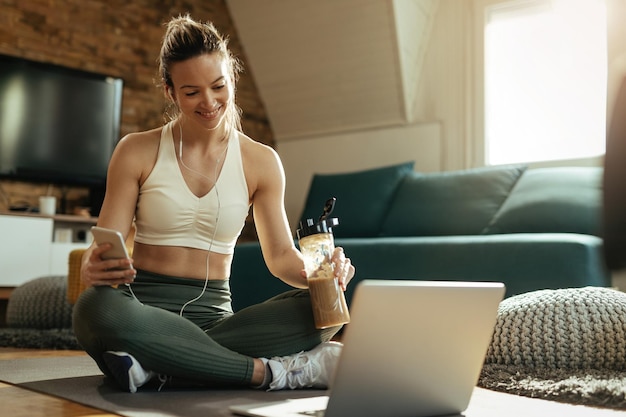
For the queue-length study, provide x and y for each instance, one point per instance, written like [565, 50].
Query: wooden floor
[20, 402]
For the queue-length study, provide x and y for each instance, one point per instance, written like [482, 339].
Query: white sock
[268, 375]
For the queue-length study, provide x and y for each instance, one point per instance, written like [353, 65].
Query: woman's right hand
[96, 271]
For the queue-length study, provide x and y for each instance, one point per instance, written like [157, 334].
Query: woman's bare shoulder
[262, 165]
[144, 138]
[255, 150]
[138, 150]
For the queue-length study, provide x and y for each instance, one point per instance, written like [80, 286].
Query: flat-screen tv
[57, 125]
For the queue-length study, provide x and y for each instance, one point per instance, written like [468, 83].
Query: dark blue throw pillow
[552, 200]
[449, 203]
[363, 198]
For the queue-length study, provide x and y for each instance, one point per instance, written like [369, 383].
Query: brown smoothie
[327, 298]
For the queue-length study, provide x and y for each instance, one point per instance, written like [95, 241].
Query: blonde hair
[186, 38]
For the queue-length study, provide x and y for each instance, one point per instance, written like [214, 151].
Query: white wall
[439, 140]
[355, 151]
[326, 67]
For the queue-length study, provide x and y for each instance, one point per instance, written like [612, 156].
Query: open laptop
[413, 348]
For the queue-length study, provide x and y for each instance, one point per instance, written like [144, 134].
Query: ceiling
[331, 66]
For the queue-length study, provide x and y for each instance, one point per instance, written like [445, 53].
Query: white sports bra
[170, 214]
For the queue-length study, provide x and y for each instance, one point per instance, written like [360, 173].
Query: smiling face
[202, 89]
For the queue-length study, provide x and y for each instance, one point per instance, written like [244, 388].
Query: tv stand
[34, 245]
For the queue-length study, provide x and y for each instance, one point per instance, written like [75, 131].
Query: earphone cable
[217, 216]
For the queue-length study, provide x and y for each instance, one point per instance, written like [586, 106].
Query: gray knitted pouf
[40, 304]
[567, 328]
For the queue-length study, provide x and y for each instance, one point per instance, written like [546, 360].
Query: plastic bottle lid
[312, 228]
[323, 225]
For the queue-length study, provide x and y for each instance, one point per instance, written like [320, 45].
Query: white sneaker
[128, 373]
[311, 369]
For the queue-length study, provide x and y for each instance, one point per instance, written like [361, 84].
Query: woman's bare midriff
[181, 262]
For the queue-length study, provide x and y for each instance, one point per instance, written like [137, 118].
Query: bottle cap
[312, 228]
[323, 225]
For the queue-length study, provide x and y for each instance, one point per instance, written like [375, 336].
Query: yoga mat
[78, 379]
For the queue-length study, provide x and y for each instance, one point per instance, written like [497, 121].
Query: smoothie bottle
[317, 245]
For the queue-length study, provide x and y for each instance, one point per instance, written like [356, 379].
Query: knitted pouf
[567, 328]
[40, 304]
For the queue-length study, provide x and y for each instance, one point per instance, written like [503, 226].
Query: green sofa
[529, 228]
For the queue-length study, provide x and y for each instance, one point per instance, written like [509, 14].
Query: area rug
[78, 379]
[38, 338]
[593, 387]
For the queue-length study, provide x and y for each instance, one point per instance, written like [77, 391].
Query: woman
[188, 187]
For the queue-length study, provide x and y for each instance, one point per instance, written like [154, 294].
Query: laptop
[412, 348]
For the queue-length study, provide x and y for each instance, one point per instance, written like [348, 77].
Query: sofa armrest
[74, 284]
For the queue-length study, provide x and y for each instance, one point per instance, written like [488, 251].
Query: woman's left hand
[344, 270]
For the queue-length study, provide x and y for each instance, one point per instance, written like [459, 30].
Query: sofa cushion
[449, 203]
[552, 200]
[362, 198]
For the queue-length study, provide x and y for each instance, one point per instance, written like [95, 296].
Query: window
[545, 80]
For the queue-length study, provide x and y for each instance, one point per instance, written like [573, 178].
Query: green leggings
[209, 343]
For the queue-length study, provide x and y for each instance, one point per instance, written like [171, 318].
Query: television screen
[57, 125]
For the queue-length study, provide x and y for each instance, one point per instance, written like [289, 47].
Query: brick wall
[120, 38]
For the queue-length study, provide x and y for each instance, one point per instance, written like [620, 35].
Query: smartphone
[115, 238]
